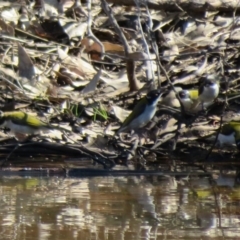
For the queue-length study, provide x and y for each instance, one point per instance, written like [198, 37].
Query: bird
[142, 113]
[208, 91]
[188, 99]
[230, 134]
[23, 123]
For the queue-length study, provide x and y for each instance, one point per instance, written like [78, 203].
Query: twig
[150, 74]
[10, 154]
[90, 33]
[221, 122]
[133, 82]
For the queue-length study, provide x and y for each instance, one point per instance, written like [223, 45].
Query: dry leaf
[51, 7]
[120, 113]
[10, 15]
[116, 81]
[91, 87]
[6, 28]
[171, 54]
[25, 65]
[73, 29]
[77, 65]
[66, 4]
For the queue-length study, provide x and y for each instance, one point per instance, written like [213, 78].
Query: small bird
[142, 113]
[230, 134]
[24, 123]
[188, 99]
[208, 92]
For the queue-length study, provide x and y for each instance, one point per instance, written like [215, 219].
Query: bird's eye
[209, 83]
[183, 94]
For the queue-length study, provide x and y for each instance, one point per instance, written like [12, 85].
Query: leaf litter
[84, 67]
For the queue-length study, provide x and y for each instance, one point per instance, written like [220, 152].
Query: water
[122, 208]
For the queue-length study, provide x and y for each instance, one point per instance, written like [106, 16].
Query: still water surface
[124, 208]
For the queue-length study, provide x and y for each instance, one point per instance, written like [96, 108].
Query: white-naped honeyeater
[188, 99]
[24, 123]
[208, 91]
[230, 134]
[142, 113]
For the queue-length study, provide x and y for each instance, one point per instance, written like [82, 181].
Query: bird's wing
[138, 110]
[235, 126]
[227, 129]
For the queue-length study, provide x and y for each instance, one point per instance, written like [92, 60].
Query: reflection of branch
[53, 148]
[133, 83]
[139, 172]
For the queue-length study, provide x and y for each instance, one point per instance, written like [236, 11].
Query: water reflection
[118, 208]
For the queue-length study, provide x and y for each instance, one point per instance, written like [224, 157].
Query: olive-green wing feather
[227, 129]
[235, 125]
[138, 110]
[22, 118]
[236, 128]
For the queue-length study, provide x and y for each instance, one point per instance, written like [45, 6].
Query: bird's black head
[153, 96]
[209, 83]
[183, 94]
